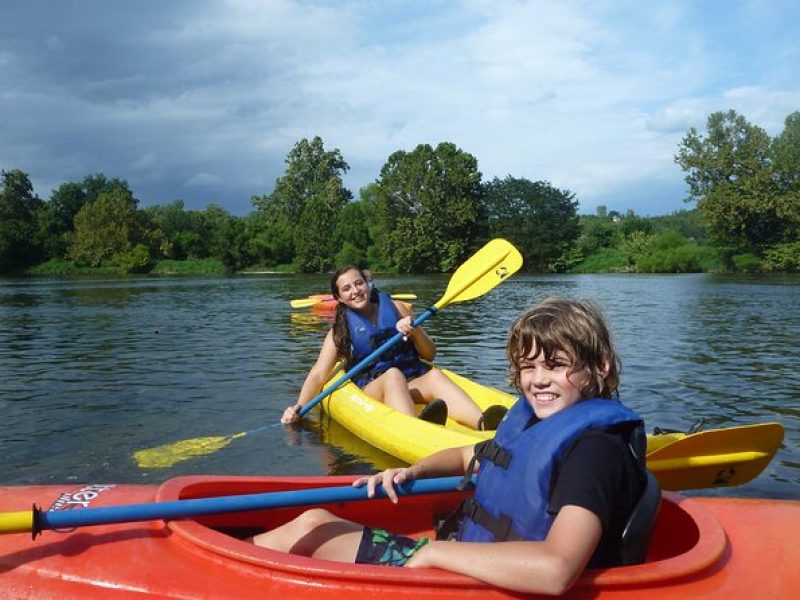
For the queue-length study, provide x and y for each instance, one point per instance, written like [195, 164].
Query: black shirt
[598, 472]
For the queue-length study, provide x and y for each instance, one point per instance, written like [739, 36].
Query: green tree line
[428, 210]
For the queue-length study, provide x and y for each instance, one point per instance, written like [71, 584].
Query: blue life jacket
[514, 482]
[366, 337]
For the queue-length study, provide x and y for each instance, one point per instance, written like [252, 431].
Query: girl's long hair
[341, 332]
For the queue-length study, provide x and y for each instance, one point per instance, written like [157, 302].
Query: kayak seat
[639, 528]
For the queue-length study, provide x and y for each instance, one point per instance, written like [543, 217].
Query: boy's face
[548, 385]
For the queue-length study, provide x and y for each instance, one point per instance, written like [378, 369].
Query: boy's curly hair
[575, 327]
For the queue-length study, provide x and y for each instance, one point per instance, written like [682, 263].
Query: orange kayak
[702, 547]
[327, 304]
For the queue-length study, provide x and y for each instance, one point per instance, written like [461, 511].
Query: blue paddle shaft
[365, 362]
[178, 509]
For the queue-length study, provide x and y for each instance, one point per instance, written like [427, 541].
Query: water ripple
[94, 370]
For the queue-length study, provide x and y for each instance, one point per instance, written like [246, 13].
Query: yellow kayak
[710, 458]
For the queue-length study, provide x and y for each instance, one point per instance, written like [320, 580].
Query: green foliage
[689, 223]
[200, 266]
[228, 239]
[665, 252]
[63, 267]
[428, 204]
[369, 200]
[732, 151]
[314, 241]
[568, 261]
[352, 234]
[540, 220]
[747, 263]
[670, 252]
[104, 228]
[271, 241]
[181, 230]
[597, 233]
[785, 154]
[634, 247]
[350, 255]
[631, 223]
[427, 212]
[731, 175]
[134, 260]
[20, 244]
[607, 260]
[782, 257]
[306, 201]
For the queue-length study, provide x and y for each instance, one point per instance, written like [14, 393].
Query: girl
[400, 377]
[555, 487]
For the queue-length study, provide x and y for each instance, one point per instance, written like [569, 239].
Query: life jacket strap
[500, 527]
[494, 453]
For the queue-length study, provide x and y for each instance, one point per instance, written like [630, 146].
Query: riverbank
[205, 266]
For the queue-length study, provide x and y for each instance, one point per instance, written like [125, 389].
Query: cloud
[203, 100]
[205, 179]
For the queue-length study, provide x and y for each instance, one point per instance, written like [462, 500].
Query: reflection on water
[96, 369]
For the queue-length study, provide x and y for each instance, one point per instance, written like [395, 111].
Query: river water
[93, 370]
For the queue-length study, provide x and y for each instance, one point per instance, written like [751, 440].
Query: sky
[202, 100]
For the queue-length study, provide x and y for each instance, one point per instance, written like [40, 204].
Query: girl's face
[548, 385]
[353, 290]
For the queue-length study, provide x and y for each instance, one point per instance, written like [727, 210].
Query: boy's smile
[548, 384]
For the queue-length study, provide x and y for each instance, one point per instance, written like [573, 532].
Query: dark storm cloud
[133, 91]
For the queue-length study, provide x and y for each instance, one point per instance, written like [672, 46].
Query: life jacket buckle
[495, 454]
[470, 508]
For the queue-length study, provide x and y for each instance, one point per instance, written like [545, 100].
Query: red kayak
[701, 547]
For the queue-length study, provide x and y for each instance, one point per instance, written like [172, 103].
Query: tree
[180, 229]
[785, 153]
[19, 213]
[314, 241]
[428, 203]
[68, 199]
[632, 223]
[307, 199]
[730, 175]
[65, 202]
[104, 228]
[351, 235]
[597, 233]
[537, 218]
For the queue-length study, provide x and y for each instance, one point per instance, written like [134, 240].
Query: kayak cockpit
[686, 541]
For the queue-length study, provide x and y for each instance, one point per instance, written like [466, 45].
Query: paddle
[37, 520]
[319, 299]
[487, 268]
[696, 452]
[715, 457]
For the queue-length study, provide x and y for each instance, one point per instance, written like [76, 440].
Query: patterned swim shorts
[379, 547]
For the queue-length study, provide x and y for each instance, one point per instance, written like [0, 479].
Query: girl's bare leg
[391, 388]
[435, 384]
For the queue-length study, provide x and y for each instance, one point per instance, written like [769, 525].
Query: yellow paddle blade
[165, 456]
[486, 269]
[761, 437]
[306, 302]
[715, 457]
